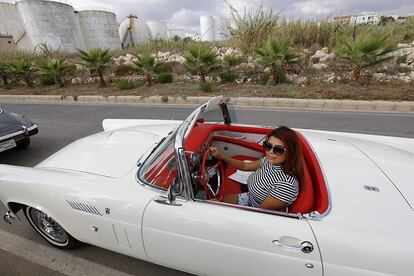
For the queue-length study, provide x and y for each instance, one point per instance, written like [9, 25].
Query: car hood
[396, 164]
[8, 124]
[110, 153]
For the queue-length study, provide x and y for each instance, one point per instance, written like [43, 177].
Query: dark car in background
[15, 130]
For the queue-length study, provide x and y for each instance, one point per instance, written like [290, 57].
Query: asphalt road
[61, 124]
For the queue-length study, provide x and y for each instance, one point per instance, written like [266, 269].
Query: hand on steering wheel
[218, 168]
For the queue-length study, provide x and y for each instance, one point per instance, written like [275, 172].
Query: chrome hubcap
[48, 226]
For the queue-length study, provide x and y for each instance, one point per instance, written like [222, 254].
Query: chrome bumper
[8, 217]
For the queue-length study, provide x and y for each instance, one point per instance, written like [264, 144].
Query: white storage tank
[99, 29]
[158, 29]
[208, 28]
[50, 22]
[133, 31]
[11, 24]
[221, 28]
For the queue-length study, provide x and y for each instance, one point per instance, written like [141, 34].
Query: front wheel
[50, 230]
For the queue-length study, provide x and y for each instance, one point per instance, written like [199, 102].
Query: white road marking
[52, 258]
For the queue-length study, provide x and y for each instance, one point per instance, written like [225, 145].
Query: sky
[185, 14]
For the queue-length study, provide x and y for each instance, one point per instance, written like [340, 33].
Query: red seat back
[305, 201]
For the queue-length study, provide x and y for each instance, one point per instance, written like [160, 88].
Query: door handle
[305, 247]
[164, 201]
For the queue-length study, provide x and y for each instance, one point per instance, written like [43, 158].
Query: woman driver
[275, 183]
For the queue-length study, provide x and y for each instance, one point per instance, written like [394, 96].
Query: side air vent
[87, 208]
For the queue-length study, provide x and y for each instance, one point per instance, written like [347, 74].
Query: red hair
[293, 164]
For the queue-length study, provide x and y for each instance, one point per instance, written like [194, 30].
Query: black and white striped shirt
[270, 180]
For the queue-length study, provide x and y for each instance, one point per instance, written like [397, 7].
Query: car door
[213, 239]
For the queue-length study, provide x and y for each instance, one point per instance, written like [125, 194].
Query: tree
[276, 55]
[56, 69]
[146, 64]
[4, 73]
[24, 69]
[201, 60]
[96, 60]
[364, 52]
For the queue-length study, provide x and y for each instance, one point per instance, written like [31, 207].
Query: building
[35, 22]
[365, 18]
[7, 43]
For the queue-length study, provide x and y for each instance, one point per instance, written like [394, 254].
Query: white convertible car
[149, 189]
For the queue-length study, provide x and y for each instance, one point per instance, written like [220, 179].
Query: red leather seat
[305, 202]
[313, 195]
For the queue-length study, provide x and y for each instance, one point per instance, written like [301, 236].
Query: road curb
[275, 103]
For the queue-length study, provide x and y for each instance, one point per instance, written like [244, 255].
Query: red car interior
[313, 195]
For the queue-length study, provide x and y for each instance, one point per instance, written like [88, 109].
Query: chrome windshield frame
[181, 135]
[183, 169]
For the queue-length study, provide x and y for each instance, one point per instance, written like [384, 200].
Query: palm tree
[56, 69]
[201, 60]
[365, 52]
[22, 69]
[276, 55]
[96, 60]
[147, 65]
[4, 73]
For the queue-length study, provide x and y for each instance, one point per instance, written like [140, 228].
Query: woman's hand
[215, 152]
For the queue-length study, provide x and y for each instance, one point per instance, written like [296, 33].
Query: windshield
[160, 169]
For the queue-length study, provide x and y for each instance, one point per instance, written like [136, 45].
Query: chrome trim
[164, 201]
[8, 217]
[305, 247]
[371, 188]
[315, 215]
[253, 209]
[183, 170]
[83, 207]
[11, 135]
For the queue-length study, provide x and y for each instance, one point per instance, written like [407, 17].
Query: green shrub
[125, 84]
[123, 70]
[281, 78]
[164, 78]
[403, 69]
[206, 86]
[263, 79]
[165, 67]
[227, 77]
[47, 80]
[233, 60]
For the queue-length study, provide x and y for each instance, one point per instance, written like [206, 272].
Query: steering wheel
[218, 171]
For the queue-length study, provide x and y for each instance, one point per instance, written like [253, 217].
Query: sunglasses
[278, 149]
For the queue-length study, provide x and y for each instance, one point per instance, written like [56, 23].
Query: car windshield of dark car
[160, 169]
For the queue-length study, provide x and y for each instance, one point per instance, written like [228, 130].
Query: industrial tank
[208, 28]
[99, 29]
[11, 24]
[221, 26]
[158, 29]
[133, 31]
[53, 23]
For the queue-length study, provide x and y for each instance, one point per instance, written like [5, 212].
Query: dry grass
[389, 92]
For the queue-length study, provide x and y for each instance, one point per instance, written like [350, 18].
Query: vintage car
[150, 189]
[15, 130]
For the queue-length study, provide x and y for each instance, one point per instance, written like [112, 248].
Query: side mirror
[174, 190]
